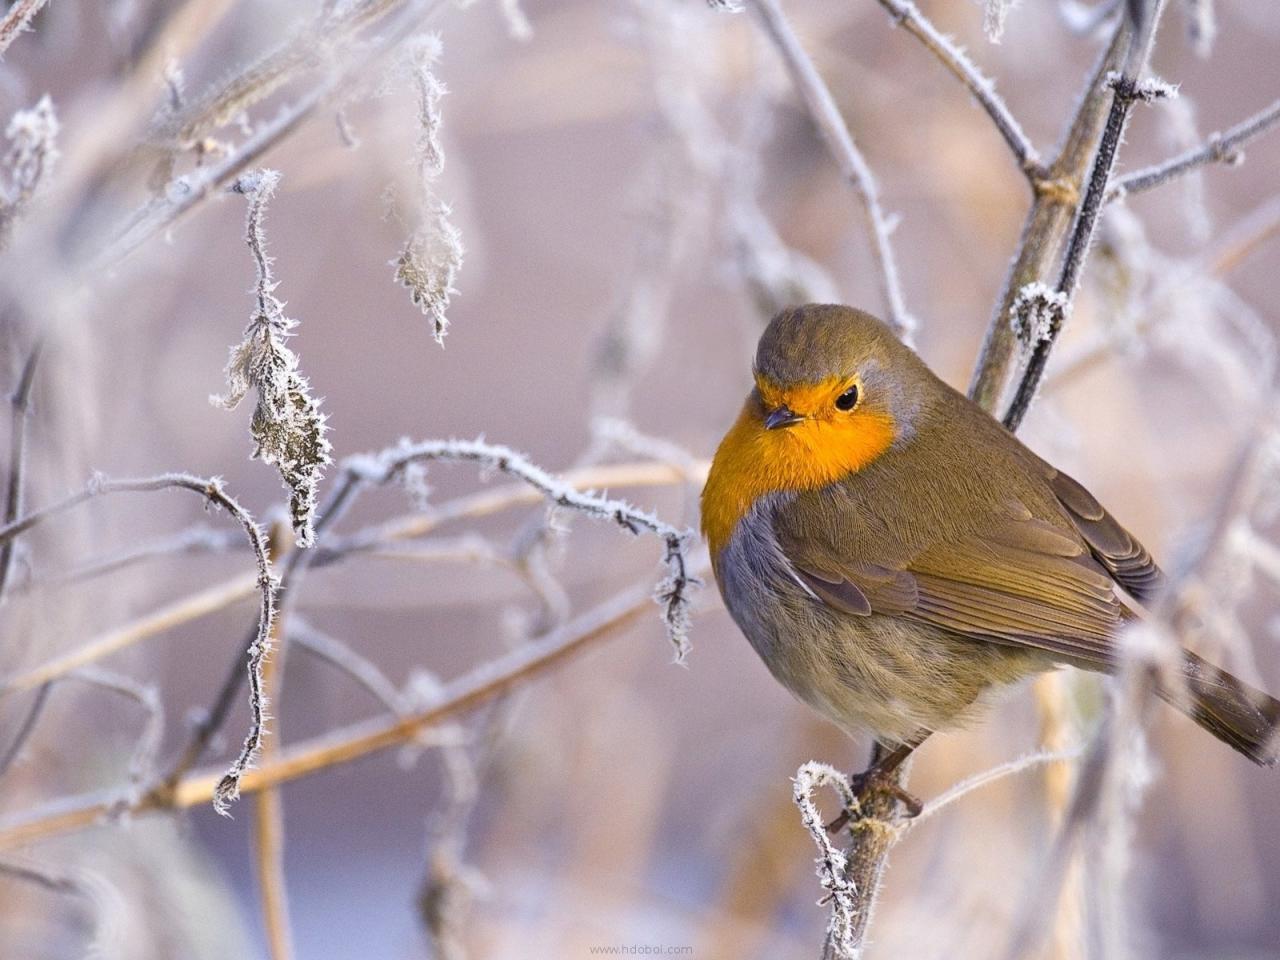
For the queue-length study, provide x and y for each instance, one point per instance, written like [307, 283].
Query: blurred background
[636, 186]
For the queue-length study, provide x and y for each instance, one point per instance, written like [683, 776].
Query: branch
[16, 20]
[1126, 89]
[672, 593]
[183, 194]
[213, 599]
[839, 142]
[479, 685]
[966, 71]
[268, 812]
[1218, 148]
[20, 405]
[1046, 228]
[212, 490]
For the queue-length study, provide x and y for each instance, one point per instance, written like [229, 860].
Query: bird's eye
[847, 400]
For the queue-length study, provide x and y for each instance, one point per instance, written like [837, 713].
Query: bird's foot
[869, 784]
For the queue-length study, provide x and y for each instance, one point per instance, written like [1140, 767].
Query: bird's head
[837, 381]
[834, 391]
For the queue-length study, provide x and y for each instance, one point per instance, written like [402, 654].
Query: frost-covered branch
[33, 150]
[840, 144]
[957, 62]
[479, 685]
[288, 428]
[20, 405]
[17, 19]
[1047, 226]
[673, 593]
[428, 264]
[844, 932]
[1221, 147]
[212, 490]
[1127, 88]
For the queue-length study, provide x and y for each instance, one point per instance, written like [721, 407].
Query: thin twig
[268, 811]
[29, 722]
[147, 696]
[673, 593]
[1221, 147]
[344, 657]
[212, 491]
[1046, 228]
[333, 550]
[184, 194]
[966, 71]
[479, 685]
[21, 406]
[1127, 88]
[839, 142]
[16, 20]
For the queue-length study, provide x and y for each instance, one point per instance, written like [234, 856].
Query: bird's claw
[865, 785]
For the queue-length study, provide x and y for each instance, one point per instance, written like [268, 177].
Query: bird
[893, 553]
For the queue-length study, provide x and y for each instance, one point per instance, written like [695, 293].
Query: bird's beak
[781, 417]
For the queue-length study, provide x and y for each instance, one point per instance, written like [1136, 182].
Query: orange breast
[752, 462]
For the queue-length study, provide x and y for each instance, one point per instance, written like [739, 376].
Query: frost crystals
[287, 427]
[429, 263]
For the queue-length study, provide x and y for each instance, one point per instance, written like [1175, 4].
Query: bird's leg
[878, 778]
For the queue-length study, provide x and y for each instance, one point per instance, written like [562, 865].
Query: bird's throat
[753, 462]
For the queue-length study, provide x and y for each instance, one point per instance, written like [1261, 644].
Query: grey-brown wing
[1115, 548]
[1012, 579]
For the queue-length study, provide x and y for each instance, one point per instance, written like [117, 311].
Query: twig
[839, 142]
[1217, 148]
[986, 777]
[844, 931]
[268, 811]
[1046, 228]
[147, 696]
[212, 490]
[1127, 88]
[672, 593]
[197, 539]
[20, 405]
[966, 71]
[16, 20]
[213, 599]
[344, 657]
[25, 729]
[208, 724]
[479, 685]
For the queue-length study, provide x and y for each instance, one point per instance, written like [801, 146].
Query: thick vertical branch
[1046, 228]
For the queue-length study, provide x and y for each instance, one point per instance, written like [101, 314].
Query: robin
[892, 552]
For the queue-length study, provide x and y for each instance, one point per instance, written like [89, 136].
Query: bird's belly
[891, 676]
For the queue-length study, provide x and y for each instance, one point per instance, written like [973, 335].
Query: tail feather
[1239, 715]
